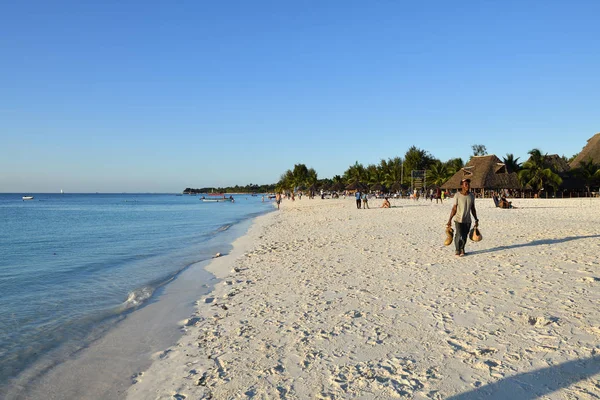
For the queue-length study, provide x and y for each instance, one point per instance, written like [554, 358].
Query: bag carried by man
[449, 236]
[475, 235]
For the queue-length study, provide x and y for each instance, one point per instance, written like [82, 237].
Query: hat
[465, 180]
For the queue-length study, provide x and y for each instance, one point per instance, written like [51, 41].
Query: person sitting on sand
[386, 203]
[503, 203]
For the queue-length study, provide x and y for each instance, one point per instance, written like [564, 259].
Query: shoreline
[105, 364]
[334, 302]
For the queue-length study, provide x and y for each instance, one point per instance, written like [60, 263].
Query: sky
[157, 96]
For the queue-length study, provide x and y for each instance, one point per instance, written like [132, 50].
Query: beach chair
[496, 201]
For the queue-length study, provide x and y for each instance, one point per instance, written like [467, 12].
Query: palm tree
[589, 172]
[417, 159]
[512, 163]
[391, 171]
[454, 165]
[374, 175]
[355, 173]
[537, 173]
[286, 181]
[438, 174]
[299, 175]
[311, 177]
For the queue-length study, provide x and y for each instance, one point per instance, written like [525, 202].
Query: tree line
[539, 172]
[249, 188]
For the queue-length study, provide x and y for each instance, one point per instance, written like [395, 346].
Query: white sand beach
[323, 301]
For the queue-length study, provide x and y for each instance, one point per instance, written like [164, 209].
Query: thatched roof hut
[591, 150]
[485, 172]
[396, 187]
[338, 186]
[356, 185]
[377, 187]
[557, 163]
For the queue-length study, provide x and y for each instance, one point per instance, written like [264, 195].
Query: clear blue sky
[149, 96]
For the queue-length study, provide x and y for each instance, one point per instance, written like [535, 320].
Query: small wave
[224, 228]
[137, 297]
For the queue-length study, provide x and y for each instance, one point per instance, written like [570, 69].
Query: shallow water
[71, 262]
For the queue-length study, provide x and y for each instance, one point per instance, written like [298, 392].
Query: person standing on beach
[365, 201]
[438, 196]
[357, 199]
[464, 206]
[278, 199]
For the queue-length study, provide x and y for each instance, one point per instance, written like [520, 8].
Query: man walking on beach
[358, 199]
[464, 206]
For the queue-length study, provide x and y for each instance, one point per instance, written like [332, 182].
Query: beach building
[591, 151]
[486, 173]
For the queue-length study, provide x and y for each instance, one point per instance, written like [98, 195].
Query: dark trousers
[357, 203]
[460, 236]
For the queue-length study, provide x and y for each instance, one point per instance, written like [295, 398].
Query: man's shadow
[538, 383]
[534, 243]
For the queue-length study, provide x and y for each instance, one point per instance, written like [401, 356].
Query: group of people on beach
[439, 195]
[361, 198]
[463, 208]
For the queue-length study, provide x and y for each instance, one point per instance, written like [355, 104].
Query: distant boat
[27, 198]
[217, 200]
[61, 191]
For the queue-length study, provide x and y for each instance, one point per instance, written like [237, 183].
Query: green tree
[299, 175]
[416, 159]
[512, 163]
[374, 175]
[311, 177]
[537, 173]
[355, 173]
[454, 165]
[589, 172]
[286, 181]
[438, 174]
[391, 171]
[479, 150]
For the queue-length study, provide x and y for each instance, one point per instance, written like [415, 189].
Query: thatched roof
[357, 186]
[339, 186]
[396, 187]
[485, 172]
[591, 150]
[558, 164]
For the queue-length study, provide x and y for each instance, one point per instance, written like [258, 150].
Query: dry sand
[330, 302]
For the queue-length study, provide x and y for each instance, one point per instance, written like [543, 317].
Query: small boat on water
[216, 200]
[27, 198]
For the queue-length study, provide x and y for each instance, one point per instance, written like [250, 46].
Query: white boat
[27, 198]
[216, 200]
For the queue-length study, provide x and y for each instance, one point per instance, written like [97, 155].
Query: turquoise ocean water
[69, 262]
